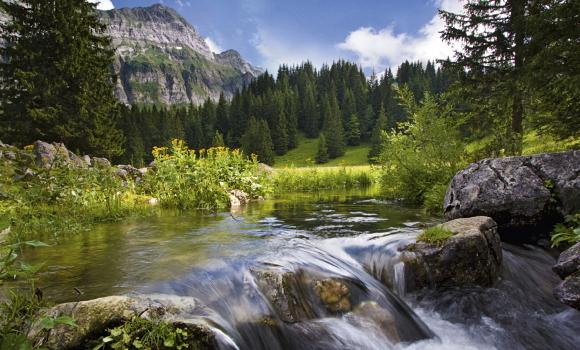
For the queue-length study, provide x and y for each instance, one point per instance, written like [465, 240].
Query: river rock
[568, 268]
[568, 291]
[568, 262]
[472, 256]
[50, 155]
[100, 162]
[282, 289]
[238, 198]
[526, 196]
[94, 317]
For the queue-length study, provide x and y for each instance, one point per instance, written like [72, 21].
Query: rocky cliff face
[161, 58]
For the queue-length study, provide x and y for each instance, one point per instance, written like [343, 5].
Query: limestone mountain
[161, 58]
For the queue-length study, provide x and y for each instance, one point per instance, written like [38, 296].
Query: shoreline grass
[311, 179]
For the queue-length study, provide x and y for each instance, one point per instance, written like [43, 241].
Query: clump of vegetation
[567, 232]
[435, 235]
[420, 157]
[140, 333]
[313, 179]
[188, 179]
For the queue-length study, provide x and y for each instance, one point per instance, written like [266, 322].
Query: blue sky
[374, 33]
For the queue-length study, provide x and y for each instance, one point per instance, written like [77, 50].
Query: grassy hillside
[304, 155]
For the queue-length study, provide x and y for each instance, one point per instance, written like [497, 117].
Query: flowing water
[352, 240]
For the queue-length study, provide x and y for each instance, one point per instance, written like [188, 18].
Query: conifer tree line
[266, 117]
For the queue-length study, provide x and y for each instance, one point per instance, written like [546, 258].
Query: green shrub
[434, 235]
[187, 179]
[434, 197]
[422, 154]
[567, 232]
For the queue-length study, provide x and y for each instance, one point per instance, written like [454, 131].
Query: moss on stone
[435, 235]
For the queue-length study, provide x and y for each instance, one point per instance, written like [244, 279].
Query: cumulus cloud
[104, 4]
[384, 48]
[276, 50]
[213, 46]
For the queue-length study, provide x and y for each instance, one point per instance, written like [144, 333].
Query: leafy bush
[186, 179]
[434, 235]
[421, 156]
[567, 232]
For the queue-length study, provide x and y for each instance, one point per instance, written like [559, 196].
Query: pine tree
[279, 125]
[493, 54]
[310, 112]
[57, 82]
[353, 131]
[222, 115]
[376, 138]
[322, 154]
[333, 128]
[257, 140]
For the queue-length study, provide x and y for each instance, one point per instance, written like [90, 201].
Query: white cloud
[384, 48]
[104, 4]
[213, 46]
[276, 51]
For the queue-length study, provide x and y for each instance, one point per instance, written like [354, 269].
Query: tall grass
[310, 179]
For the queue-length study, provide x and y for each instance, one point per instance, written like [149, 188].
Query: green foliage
[567, 232]
[319, 178]
[434, 235]
[322, 154]
[188, 179]
[434, 197]
[422, 153]
[57, 78]
[140, 333]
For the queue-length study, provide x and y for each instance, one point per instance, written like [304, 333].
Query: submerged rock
[284, 291]
[526, 196]
[568, 268]
[381, 317]
[471, 256]
[94, 317]
[334, 294]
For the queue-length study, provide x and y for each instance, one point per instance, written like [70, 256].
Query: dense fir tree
[279, 125]
[222, 115]
[376, 138]
[57, 83]
[353, 131]
[257, 140]
[493, 53]
[322, 153]
[333, 128]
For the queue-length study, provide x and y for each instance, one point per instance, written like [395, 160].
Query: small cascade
[315, 275]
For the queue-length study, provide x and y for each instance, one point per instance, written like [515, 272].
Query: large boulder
[470, 256]
[94, 317]
[568, 268]
[51, 155]
[526, 196]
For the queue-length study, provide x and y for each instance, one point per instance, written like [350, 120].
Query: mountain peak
[161, 58]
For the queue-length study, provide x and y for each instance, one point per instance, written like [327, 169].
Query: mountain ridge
[161, 58]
